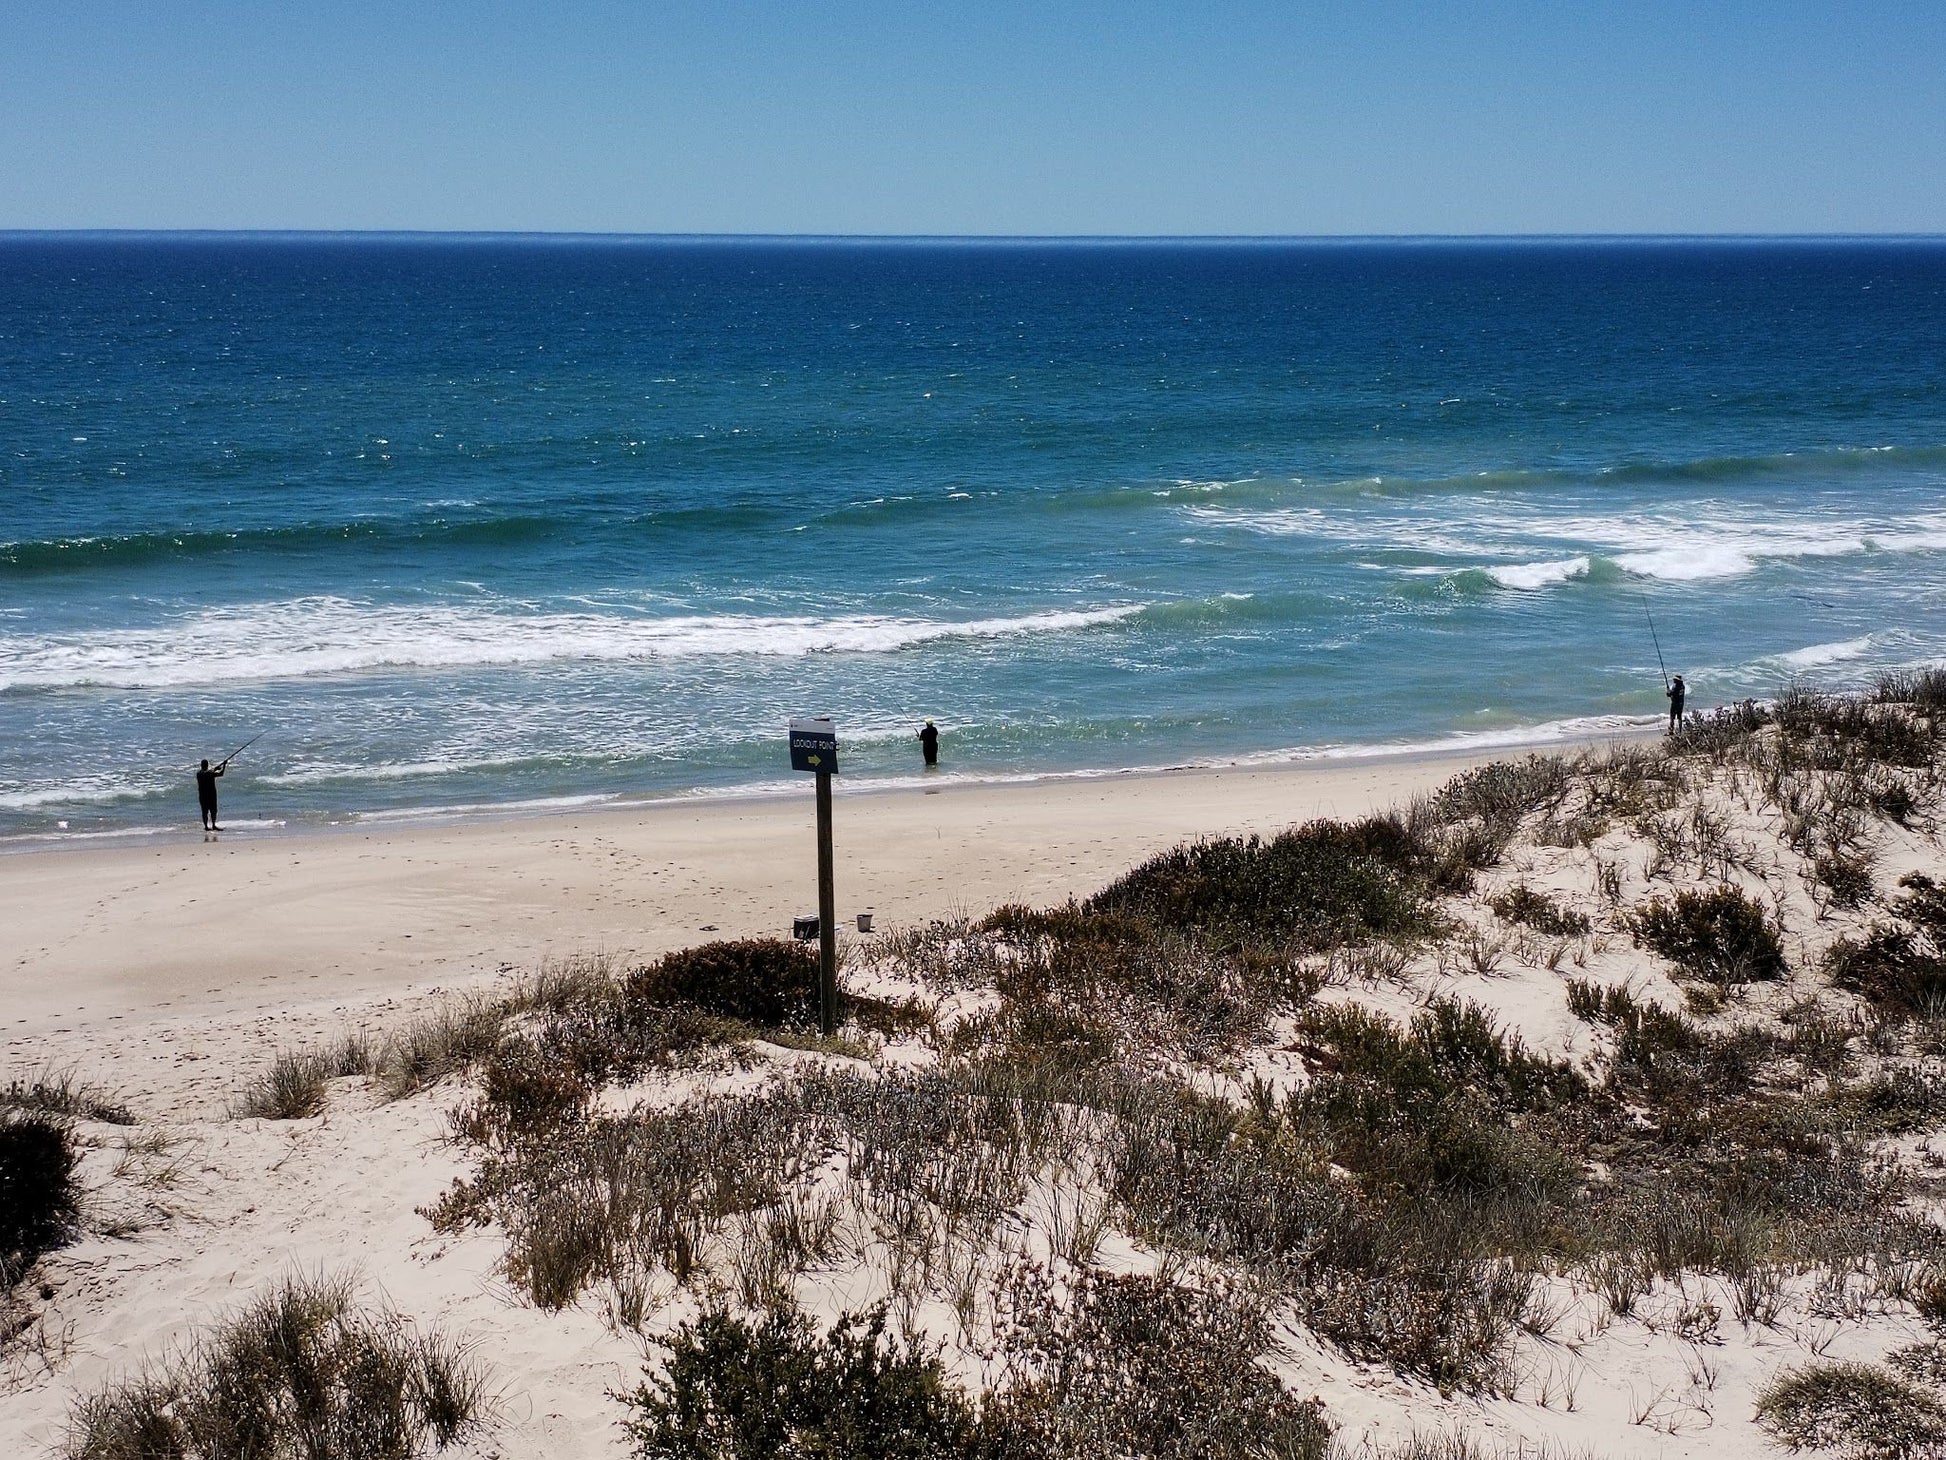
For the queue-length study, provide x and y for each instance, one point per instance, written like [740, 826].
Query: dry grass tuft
[299, 1371]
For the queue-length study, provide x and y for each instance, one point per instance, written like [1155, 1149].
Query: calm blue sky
[851, 116]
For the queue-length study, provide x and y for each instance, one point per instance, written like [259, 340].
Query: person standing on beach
[1676, 694]
[206, 793]
[929, 744]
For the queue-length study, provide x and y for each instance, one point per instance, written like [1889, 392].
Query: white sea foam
[74, 793]
[320, 636]
[1548, 732]
[1703, 541]
[1815, 655]
[1538, 575]
[324, 775]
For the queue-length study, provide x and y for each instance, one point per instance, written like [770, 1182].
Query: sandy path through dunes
[98, 937]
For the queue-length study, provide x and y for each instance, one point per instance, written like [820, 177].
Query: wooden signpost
[814, 748]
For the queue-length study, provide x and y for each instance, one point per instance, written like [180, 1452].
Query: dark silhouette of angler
[1677, 693]
[206, 782]
[206, 793]
[929, 744]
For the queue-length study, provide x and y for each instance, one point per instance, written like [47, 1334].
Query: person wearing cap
[929, 743]
[1677, 693]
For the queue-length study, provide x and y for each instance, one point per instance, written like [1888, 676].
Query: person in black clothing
[929, 743]
[206, 794]
[1676, 694]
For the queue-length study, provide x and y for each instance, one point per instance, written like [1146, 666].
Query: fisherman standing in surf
[1677, 693]
[206, 782]
[206, 793]
[929, 745]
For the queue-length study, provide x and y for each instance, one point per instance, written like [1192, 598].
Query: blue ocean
[461, 523]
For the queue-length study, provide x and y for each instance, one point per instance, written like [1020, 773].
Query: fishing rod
[241, 748]
[1654, 639]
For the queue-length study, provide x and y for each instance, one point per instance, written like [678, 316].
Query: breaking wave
[323, 636]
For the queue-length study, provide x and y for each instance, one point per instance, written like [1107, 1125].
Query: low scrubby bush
[769, 981]
[58, 1092]
[291, 1089]
[1923, 904]
[442, 1043]
[1900, 967]
[1594, 1003]
[1924, 689]
[1445, 1111]
[777, 1389]
[1079, 986]
[1535, 909]
[1897, 970]
[1721, 936]
[1717, 732]
[1140, 1366]
[1845, 875]
[39, 1197]
[1385, 1279]
[1848, 732]
[1860, 1410]
[1499, 795]
[1319, 886]
[301, 1371]
[294, 1085]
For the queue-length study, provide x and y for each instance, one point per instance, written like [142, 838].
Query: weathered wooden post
[814, 748]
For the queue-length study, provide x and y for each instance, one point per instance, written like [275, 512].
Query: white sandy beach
[169, 976]
[279, 921]
[171, 973]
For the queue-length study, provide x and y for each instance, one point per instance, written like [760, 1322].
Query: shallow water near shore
[468, 522]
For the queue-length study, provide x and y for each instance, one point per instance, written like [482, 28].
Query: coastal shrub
[1079, 985]
[1899, 970]
[767, 981]
[1498, 796]
[1042, 1032]
[1900, 967]
[1897, 1101]
[440, 1044]
[1924, 689]
[1451, 1047]
[1923, 904]
[1381, 1285]
[1437, 1113]
[1594, 1003]
[1537, 910]
[1717, 733]
[1321, 885]
[1140, 1366]
[301, 1370]
[291, 1089]
[1925, 1362]
[1851, 732]
[597, 1197]
[1721, 936]
[1859, 1410]
[39, 1197]
[740, 1182]
[59, 1092]
[777, 1389]
[1845, 875]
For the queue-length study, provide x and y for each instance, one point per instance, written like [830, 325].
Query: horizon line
[1136, 239]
